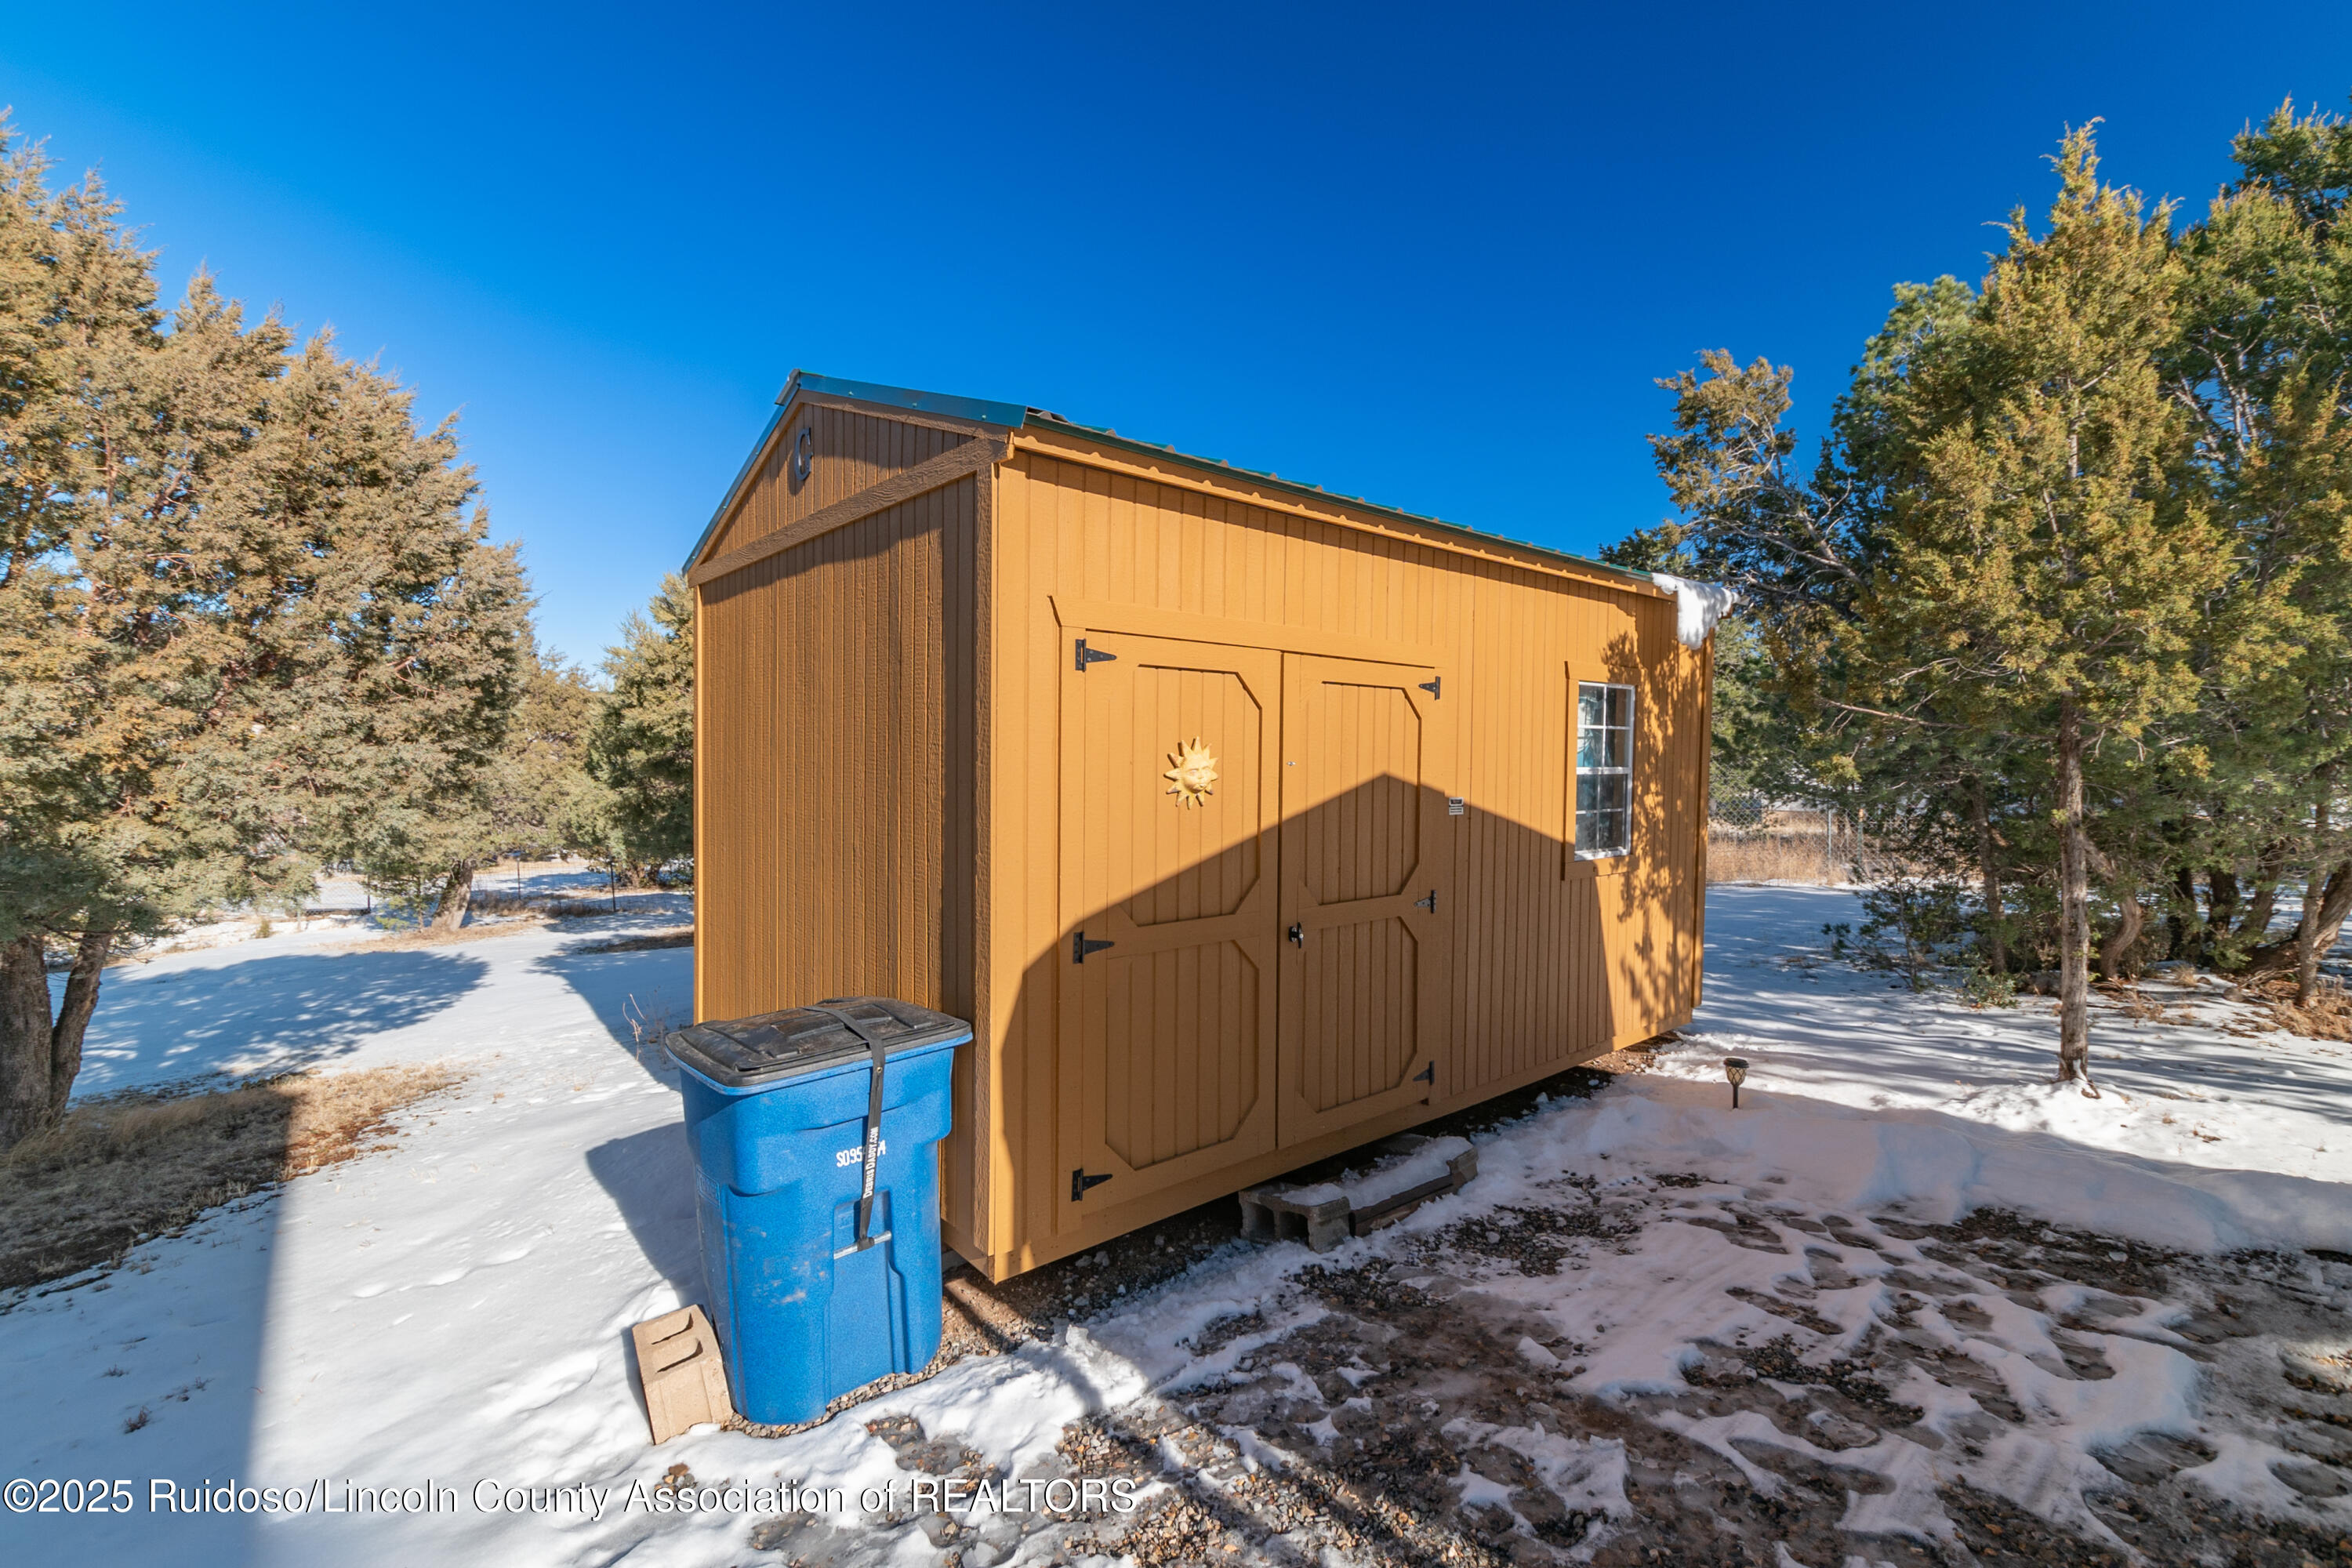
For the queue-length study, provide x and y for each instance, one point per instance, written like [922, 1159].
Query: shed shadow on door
[1523, 955]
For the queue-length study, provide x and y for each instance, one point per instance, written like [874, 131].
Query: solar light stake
[1736, 1069]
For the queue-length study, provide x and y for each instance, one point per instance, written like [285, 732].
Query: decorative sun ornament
[1194, 778]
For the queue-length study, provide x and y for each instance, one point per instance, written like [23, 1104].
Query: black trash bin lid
[766, 1047]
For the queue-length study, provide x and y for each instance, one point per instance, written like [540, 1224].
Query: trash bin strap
[880, 1048]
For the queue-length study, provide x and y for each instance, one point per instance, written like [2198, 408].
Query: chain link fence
[1752, 836]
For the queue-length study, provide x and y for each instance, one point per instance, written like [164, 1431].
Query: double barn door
[1254, 880]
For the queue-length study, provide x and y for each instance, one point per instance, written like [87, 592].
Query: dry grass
[1769, 858]
[425, 936]
[2141, 1008]
[677, 936]
[119, 1171]
[552, 906]
[2328, 1017]
[578, 909]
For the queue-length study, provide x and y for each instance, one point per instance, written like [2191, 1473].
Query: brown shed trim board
[945, 469]
[910, 778]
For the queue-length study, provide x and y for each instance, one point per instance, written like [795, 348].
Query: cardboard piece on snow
[685, 1381]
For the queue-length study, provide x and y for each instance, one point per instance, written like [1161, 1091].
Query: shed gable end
[822, 453]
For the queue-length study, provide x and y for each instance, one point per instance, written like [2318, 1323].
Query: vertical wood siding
[848, 838]
[1553, 960]
[1173, 1014]
[853, 451]
[1558, 949]
[1180, 1025]
[1353, 816]
[1361, 757]
[835, 767]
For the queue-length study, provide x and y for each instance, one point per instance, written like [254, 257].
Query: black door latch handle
[1297, 934]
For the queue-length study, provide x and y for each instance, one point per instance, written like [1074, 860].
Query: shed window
[1604, 770]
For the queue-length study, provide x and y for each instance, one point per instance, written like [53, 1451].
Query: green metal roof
[1016, 415]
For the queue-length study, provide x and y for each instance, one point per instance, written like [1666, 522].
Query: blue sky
[1430, 255]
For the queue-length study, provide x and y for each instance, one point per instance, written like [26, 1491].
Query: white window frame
[1576, 814]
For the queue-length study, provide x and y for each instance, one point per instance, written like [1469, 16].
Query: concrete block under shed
[1409, 1171]
[678, 1363]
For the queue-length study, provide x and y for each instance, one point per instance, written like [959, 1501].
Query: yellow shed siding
[834, 834]
[1553, 960]
[884, 782]
[852, 450]
[1554, 949]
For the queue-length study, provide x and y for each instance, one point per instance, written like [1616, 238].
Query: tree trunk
[2315, 896]
[456, 893]
[2306, 941]
[2073, 903]
[40, 1059]
[2177, 943]
[2333, 903]
[2130, 920]
[2221, 902]
[1988, 871]
[73, 1012]
[2268, 871]
[23, 1041]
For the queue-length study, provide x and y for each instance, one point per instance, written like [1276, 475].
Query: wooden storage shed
[1247, 823]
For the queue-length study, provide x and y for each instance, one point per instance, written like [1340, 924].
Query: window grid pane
[1604, 760]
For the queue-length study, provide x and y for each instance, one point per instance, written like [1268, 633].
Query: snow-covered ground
[336, 990]
[1807, 1326]
[341, 908]
[2191, 1093]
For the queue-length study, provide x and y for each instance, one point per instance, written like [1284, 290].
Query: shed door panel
[1167, 1037]
[1366, 750]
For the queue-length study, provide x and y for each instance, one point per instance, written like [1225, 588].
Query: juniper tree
[2260, 364]
[243, 608]
[2048, 573]
[1988, 590]
[542, 794]
[1800, 546]
[642, 750]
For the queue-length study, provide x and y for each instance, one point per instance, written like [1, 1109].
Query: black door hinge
[1080, 1181]
[1429, 903]
[1080, 946]
[1427, 1075]
[1087, 656]
[1297, 934]
[1431, 685]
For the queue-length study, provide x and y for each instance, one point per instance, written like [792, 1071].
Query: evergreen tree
[642, 750]
[2047, 575]
[2000, 603]
[2260, 364]
[1751, 732]
[543, 796]
[245, 612]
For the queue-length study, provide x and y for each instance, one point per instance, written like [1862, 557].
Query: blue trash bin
[820, 1280]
